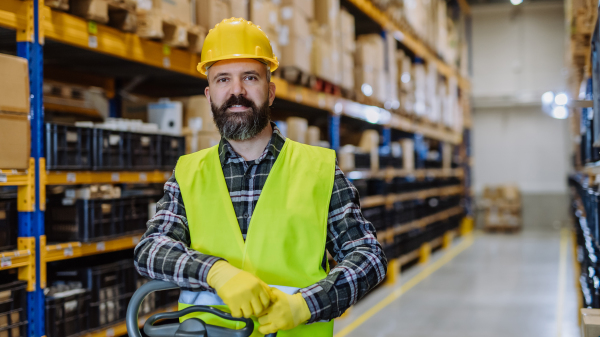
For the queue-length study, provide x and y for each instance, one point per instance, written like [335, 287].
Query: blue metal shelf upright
[31, 215]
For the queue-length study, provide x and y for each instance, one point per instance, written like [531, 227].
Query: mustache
[237, 100]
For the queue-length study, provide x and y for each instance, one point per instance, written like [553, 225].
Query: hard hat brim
[273, 63]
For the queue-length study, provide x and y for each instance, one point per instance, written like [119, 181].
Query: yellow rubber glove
[244, 293]
[286, 312]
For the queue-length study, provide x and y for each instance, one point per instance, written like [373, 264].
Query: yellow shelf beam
[90, 177]
[71, 250]
[120, 329]
[73, 30]
[23, 258]
[410, 41]
[13, 178]
[380, 200]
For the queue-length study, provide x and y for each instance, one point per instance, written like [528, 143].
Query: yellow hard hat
[236, 38]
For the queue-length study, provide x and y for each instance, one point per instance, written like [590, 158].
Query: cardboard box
[296, 129]
[168, 115]
[196, 141]
[408, 154]
[239, 9]
[176, 10]
[370, 51]
[322, 60]
[313, 136]
[211, 12]
[347, 71]
[294, 21]
[307, 7]
[327, 12]
[365, 75]
[95, 10]
[14, 84]
[265, 14]
[198, 106]
[348, 33]
[15, 139]
[296, 52]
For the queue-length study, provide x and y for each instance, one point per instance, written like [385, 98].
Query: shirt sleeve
[164, 251]
[352, 242]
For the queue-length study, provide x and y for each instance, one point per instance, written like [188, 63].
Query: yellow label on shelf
[92, 27]
[166, 50]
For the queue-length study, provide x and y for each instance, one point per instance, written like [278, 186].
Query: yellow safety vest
[286, 238]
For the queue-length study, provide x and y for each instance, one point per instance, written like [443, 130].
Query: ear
[207, 94]
[272, 88]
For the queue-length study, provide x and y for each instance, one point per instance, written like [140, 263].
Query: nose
[237, 88]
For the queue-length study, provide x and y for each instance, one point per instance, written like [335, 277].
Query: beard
[239, 126]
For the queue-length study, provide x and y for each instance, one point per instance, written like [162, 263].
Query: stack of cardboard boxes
[14, 113]
[502, 207]
[348, 38]
[370, 64]
[295, 39]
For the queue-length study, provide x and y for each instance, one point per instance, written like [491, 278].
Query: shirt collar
[273, 148]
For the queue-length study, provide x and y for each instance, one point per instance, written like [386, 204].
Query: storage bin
[67, 313]
[9, 224]
[13, 305]
[171, 148]
[84, 220]
[144, 151]
[111, 150]
[68, 147]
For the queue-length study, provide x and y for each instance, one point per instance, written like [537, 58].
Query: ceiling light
[367, 90]
[516, 2]
[548, 98]
[560, 112]
[561, 99]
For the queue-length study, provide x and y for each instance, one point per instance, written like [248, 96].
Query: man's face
[240, 96]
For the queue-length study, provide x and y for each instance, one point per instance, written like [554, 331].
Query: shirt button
[246, 215]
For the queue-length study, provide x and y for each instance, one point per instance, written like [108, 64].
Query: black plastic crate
[145, 151]
[361, 187]
[13, 313]
[68, 147]
[67, 313]
[9, 224]
[375, 215]
[84, 220]
[134, 212]
[111, 286]
[362, 161]
[111, 150]
[171, 148]
[377, 187]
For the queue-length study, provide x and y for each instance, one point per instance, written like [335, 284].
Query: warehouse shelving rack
[37, 27]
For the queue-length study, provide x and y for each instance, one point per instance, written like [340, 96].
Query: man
[245, 225]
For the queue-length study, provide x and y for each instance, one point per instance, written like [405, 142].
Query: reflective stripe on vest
[288, 229]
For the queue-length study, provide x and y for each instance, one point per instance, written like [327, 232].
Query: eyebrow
[249, 72]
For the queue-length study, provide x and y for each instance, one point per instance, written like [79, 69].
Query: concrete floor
[501, 285]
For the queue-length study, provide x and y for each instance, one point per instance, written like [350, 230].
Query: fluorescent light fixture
[366, 89]
[372, 115]
[561, 99]
[384, 116]
[405, 78]
[548, 98]
[560, 112]
[338, 107]
[516, 2]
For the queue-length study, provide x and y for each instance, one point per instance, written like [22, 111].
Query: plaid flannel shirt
[164, 251]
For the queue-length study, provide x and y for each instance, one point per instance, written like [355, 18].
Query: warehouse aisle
[500, 285]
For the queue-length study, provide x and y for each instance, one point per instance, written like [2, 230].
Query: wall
[518, 54]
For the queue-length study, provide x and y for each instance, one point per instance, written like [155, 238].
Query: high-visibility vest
[286, 238]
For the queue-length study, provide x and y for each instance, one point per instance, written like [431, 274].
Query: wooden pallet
[172, 32]
[68, 98]
[502, 228]
[116, 13]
